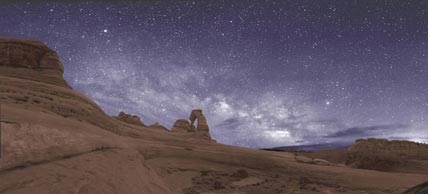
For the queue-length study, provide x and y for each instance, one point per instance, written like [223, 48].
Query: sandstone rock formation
[181, 125]
[201, 130]
[158, 126]
[32, 76]
[304, 159]
[381, 154]
[56, 140]
[308, 160]
[31, 60]
[202, 121]
[131, 119]
[321, 162]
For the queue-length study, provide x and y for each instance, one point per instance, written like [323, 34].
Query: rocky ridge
[131, 119]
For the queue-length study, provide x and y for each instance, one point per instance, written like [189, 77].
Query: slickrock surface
[55, 140]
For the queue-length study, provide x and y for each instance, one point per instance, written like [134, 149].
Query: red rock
[30, 59]
[131, 119]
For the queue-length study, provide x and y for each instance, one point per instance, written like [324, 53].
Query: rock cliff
[381, 154]
[30, 59]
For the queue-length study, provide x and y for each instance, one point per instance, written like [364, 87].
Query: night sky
[266, 73]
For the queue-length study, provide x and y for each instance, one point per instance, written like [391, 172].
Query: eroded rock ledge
[30, 59]
[131, 119]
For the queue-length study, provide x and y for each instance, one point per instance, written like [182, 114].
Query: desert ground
[56, 140]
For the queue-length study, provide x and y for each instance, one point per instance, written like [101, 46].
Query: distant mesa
[131, 119]
[158, 126]
[30, 59]
[382, 154]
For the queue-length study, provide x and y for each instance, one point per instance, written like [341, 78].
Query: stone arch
[202, 124]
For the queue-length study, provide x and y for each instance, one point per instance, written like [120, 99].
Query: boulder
[304, 159]
[131, 119]
[181, 125]
[321, 162]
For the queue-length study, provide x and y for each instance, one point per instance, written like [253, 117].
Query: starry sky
[265, 72]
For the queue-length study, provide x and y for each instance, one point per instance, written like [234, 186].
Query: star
[265, 73]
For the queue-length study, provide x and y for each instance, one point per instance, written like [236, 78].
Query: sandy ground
[55, 140]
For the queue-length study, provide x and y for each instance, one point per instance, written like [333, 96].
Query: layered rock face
[31, 60]
[32, 75]
[42, 111]
[381, 154]
[45, 123]
[131, 119]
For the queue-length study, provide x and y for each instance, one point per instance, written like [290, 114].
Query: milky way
[265, 73]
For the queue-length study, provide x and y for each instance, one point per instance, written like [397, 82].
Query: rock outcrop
[304, 159]
[56, 140]
[30, 59]
[131, 119]
[32, 76]
[381, 154]
[308, 160]
[321, 162]
[202, 121]
[158, 126]
[184, 126]
[181, 125]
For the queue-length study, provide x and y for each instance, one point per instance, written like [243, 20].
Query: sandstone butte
[56, 140]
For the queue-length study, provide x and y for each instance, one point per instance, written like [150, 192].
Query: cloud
[360, 132]
[231, 124]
